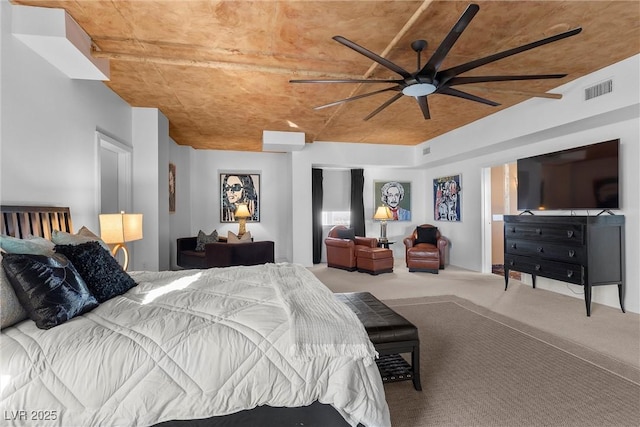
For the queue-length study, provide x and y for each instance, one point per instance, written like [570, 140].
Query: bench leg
[415, 365]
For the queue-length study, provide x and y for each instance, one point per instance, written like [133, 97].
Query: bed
[260, 345]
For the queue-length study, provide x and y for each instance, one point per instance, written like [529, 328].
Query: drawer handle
[537, 267]
[538, 231]
[572, 253]
[540, 249]
[569, 273]
[511, 262]
[570, 234]
[513, 229]
[513, 246]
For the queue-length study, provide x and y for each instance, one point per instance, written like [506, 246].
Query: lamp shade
[120, 228]
[242, 211]
[383, 212]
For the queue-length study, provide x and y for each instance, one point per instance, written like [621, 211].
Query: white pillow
[11, 311]
[233, 238]
[30, 246]
[84, 235]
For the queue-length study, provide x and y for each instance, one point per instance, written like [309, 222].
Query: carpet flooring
[479, 368]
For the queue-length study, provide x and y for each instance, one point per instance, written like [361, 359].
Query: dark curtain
[316, 211]
[357, 203]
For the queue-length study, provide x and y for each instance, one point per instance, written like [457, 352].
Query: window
[336, 218]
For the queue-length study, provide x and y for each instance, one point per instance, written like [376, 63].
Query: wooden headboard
[22, 221]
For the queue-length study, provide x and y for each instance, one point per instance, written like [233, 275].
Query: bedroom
[48, 154]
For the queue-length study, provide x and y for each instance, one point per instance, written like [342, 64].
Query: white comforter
[181, 345]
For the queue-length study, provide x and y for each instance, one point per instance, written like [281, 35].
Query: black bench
[391, 335]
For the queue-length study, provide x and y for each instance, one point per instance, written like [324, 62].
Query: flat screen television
[578, 178]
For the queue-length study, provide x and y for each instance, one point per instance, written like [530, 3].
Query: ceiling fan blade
[465, 95]
[374, 57]
[433, 64]
[424, 106]
[385, 105]
[353, 98]
[482, 79]
[347, 81]
[447, 74]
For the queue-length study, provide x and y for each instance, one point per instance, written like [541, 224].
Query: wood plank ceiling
[220, 70]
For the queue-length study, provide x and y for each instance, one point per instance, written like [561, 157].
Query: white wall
[275, 195]
[180, 220]
[48, 149]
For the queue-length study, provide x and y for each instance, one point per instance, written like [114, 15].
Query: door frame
[125, 184]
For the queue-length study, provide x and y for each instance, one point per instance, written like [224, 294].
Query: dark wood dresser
[582, 250]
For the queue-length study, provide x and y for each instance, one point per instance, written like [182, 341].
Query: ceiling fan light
[420, 89]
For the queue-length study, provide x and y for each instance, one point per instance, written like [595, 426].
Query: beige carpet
[608, 331]
[479, 368]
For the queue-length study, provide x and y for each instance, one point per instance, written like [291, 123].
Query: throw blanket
[320, 325]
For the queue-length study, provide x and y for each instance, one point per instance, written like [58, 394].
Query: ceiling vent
[598, 90]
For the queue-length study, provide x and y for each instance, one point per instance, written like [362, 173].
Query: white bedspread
[182, 345]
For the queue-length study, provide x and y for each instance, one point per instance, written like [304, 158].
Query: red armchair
[425, 249]
[342, 246]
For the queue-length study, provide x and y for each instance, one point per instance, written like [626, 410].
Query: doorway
[503, 200]
[114, 178]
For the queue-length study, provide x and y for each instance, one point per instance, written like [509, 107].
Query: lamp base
[243, 226]
[125, 251]
[383, 232]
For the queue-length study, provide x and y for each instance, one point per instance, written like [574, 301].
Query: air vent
[426, 150]
[598, 90]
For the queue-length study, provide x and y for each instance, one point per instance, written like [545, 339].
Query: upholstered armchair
[425, 249]
[342, 246]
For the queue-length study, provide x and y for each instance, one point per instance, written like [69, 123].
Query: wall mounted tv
[578, 178]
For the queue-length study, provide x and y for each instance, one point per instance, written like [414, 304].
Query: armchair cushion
[346, 233]
[427, 235]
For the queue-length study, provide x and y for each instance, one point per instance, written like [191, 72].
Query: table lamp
[117, 229]
[242, 213]
[383, 213]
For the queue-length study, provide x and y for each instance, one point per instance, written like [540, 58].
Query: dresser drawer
[570, 273]
[564, 253]
[569, 233]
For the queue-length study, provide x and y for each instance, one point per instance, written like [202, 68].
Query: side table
[385, 244]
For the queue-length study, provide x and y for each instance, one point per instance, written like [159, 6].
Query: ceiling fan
[429, 79]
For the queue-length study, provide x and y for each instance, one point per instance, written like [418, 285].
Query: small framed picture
[172, 188]
[237, 188]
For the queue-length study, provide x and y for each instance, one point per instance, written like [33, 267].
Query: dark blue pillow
[346, 233]
[427, 235]
[49, 288]
[99, 269]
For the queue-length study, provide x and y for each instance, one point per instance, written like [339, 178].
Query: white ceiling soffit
[54, 35]
[282, 141]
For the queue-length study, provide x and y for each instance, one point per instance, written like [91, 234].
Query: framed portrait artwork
[237, 188]
[447, 198]
[172, 188]
[396, 196]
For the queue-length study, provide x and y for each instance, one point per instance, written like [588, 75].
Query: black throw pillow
[427, 235]
[49, 288]
[99, 269]
[346, 233]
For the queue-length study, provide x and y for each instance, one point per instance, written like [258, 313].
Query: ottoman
[374, 260]
[391, 335]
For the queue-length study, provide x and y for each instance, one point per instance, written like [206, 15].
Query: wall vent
[426, 150]
[598, 90]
